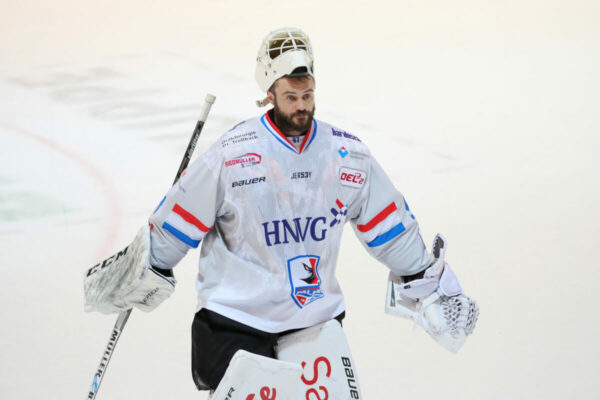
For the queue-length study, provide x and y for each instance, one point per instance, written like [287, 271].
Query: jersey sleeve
[385, 225]
[187, 213]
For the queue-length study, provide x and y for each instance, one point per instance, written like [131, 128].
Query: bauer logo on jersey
[352, 177]
[305, 280]
[245, 160]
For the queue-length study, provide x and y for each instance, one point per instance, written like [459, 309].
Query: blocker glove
[126, 280]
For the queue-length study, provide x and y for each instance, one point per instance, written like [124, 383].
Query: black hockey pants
[215, 339]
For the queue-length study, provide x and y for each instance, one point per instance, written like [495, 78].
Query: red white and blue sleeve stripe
[382, 228]
[185, 226]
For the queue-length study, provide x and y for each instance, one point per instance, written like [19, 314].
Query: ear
[271, 97]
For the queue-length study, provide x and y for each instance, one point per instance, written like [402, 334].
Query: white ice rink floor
[485, 115]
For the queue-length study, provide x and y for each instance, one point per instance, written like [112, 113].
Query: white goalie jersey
[269, 214]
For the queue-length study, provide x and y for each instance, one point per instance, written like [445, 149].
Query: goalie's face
[294, 104]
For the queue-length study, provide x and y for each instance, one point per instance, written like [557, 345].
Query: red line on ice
[114, 207]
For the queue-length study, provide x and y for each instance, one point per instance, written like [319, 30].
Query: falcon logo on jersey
[304, 279]
[245, 160]
[352, 177]
[343, 152]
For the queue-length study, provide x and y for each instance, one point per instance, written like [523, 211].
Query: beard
[287, 123]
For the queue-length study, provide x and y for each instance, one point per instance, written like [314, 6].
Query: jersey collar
[281, 138]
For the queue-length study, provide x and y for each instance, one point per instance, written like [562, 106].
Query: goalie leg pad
[255, 377]
[329, 370]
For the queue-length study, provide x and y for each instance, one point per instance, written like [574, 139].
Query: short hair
[295, 78]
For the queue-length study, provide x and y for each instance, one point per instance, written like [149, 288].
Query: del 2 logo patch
[352, 177]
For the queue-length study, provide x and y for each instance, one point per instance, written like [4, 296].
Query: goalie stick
[124, 316]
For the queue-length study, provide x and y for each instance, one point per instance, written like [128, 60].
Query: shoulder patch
[243, 133]
[237, 138]
[344, 134]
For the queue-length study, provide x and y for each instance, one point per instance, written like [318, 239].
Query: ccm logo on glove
[352, 177]
[107, 262]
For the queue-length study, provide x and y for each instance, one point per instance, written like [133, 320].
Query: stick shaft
[208, 102]
[124, 316]
[108, 352]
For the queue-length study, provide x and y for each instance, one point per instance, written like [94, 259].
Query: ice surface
[485, 114]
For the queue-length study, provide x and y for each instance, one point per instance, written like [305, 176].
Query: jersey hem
[266, 326]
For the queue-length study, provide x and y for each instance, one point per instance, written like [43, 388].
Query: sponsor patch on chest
[245, 160]
[352, 177]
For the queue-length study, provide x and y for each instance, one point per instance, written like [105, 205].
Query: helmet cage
[284, 52]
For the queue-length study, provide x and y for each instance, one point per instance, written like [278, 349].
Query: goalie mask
[284, 52]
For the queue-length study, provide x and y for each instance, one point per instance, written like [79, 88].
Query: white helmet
[286, 51]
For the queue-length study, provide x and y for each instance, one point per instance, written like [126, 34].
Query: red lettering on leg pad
[314, 391]
[265, 394]
[327, 367]
[316, 369]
